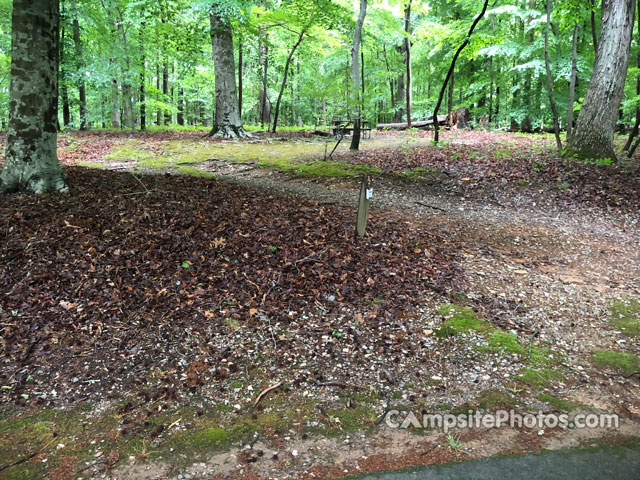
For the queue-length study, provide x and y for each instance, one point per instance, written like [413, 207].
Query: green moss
[502, 342]
[493, 399]
[195, 172]
[236, 384]
[129, 151]
[625, 315]
[91, 164]
[352, 419]
[538, 377]
[463, 320]
[160, 162]
[317, 169]
[211, 438]
[557, 403]
[626, 363]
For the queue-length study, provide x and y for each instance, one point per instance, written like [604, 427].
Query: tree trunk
[552, 103]
[594, 35]
[240, 79]
[180, 117]
[355, 75]
[593, 135]
[82, 89]
[407, 49]
[115, 104]
[574, 75]
[636, 126]
[263, 61]
[284, 80]
[31, 161]
[452, 67]
[64, 93]
[401, 94]
[165, 92]
[227, 123]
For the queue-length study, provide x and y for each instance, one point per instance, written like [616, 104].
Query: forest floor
[145, 316]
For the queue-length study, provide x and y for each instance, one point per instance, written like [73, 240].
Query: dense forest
[132, 64]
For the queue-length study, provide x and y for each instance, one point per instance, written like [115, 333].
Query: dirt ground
[547, 273]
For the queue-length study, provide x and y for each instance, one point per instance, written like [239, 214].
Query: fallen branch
[27, 458]
[430, 206]
[265, 392]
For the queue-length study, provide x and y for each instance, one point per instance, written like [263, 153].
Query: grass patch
[317, 169]
[131, 151]
[195, 172]
[625, 315]
[626, 363]
[91, 164]
[463, 320]
[538, 377]
[558, 404]
[493, 399]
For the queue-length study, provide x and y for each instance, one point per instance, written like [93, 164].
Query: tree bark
[552, 103]
[593, 135]
[284, 80]
[82, 89]
[263, 61]
[572, 82]
[355, 75]
[407, 49]
[452, 67]
[227, 123]
[240, 79]
[64, 93]
[594, 35]
[31, 161]
[180, 116]
[636, 126]
[165, 92]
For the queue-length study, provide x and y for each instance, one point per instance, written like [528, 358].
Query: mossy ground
[625, 363]
[625, 315]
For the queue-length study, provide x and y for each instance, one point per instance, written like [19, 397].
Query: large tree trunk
[82, 89]
[227, 122]
[355, 75]
[31, 162]
[593, 135]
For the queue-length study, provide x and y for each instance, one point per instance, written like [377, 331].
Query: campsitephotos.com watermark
[498, 419]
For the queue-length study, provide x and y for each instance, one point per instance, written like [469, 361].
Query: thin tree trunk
[452, 67]
[180, 117]
[491, 88]
[115, 104]
[227, 121]
[594, 34]
[355, 75]
[82, 89]
[636, 126]
[593, 135]
[574, 75]
[165, 92]
[240, 78]
[284, 80]
[158, 87]
[64, 92]
[407, 49]
[31, 162]
[552, 103]
[143, 105]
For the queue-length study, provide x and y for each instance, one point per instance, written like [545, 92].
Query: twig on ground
[430, 206]
[265, 392]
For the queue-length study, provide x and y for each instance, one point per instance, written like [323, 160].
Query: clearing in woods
[146, 315]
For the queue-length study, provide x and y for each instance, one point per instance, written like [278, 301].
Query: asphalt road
[620, 463]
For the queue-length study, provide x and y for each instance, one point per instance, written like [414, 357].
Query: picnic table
[345, 127]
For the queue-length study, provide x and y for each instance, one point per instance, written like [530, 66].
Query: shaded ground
[154, 309]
